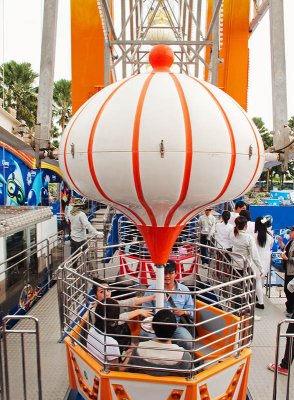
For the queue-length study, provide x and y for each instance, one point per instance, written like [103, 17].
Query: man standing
[207, 227]
[79, 225]
[288, 257]
[239, 206]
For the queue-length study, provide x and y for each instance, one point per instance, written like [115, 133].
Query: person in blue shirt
[181, 304]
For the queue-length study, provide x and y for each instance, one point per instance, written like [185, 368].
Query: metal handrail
[22, 332]
[42, 248]
[234, 296]
[45, 241]
[290, 337]
[269, 275]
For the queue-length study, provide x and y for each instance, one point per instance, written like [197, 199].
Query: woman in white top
[250, 224]
[223, 231]
[104, 340]
[264, 242]
[244, 244]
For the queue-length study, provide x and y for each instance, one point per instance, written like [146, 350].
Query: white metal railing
[225, 294]
[274, 270]
[5, 351]
[289, 335]
[24, 265]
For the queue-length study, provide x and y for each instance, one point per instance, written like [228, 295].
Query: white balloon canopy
[161, 147]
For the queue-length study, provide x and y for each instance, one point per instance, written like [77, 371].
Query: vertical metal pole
[38, 359]
[28, 255]
[63, 300]
[198, 33]
[276, 361]
[60, 299]
[123, 27]
[106, 63]
[1, 374]
[215, 48]
[23, 362]
[6, 371]
[48, 261]
[45, 94]
[278, 62]
[289, 366]
[159, 285]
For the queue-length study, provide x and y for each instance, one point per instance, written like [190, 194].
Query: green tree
[20, 93]
[276, 174]
[267, 137]
[62, 102]
[291, 124]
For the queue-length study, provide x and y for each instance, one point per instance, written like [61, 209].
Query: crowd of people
[163, 343]
[254, 240]
[235, 232]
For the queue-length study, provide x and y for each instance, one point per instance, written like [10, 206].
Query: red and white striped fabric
[161, 147]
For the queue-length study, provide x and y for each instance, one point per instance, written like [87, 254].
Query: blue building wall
[21, 184]
[282, 215]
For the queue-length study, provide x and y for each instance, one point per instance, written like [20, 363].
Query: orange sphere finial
[161, 57]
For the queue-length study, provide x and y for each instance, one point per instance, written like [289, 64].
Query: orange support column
[233, 72]
[87, 51]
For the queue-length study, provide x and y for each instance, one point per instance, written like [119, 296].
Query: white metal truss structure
[133, 26]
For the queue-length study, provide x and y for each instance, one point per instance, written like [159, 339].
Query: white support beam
[260, 13]
[278, 63]
[45, 94]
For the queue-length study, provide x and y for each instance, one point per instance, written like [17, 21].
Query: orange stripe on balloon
[135, 151]
[119, 206]
[77, 114]
[233, 154]
[189, 151]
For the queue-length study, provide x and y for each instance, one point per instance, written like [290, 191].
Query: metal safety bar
[5, 382]
[274, 256]
[289, 349]
[225, 295]
[43, 249]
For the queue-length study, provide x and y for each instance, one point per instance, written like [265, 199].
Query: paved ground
[264, 343]
[53, 357]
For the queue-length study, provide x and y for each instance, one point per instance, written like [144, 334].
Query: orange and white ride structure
[161, 147]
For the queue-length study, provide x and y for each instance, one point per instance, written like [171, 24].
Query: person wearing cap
[207, 227]
[180, 303]
[79, 225]
[288, 257]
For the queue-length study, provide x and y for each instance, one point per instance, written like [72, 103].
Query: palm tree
[17, 80]
[62, 102]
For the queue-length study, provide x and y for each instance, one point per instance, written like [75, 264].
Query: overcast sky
[20, 40]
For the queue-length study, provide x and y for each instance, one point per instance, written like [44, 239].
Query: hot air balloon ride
[161, 147]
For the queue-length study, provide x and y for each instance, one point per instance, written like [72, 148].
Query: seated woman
[104, 340]
[101, 290]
